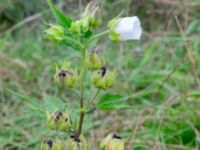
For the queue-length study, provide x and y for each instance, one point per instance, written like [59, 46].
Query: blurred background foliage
[157, 73]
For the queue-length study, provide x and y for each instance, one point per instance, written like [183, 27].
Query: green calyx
[112, 25]
[58, 120]
[103, 79]
[93, 13]
[93, 62]
[80, 26]
[55, 33]
[64, 76]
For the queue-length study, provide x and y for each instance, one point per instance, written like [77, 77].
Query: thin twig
[140, 120]
[23, 22]
[188, 50]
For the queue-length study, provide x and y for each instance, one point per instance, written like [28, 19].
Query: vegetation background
[160, 73]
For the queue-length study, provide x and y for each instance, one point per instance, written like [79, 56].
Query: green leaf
[40, 113]
[112, 102]
[32, 101]
[51, 103]
[194, 94]
[63, 20]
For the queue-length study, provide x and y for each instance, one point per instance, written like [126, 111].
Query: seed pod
[112, 142]
[58, 120]
[65, 77]
[55, 33]
[104, 78]
[93, 62]
[50, 144]
[77, 143]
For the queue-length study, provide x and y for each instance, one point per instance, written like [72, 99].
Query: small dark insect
[116, 136]
[76, 138]
[103, 70]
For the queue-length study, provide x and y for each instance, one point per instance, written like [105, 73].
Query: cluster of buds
[102, 77]
[55, 33]
[58, 120]
[51, 144]
[77, 143]
[64, 76]
[112, 142]
[90, 18]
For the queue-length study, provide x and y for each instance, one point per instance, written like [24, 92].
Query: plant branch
[81, 95]
[90, 102]
[99, 34]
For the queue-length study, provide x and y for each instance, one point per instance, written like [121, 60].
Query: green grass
[155, 72]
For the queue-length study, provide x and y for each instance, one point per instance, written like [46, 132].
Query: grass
[157, 74]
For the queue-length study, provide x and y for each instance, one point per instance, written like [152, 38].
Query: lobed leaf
[112, 102]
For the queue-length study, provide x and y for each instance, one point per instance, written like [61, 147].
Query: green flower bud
[76, 27]
[55, 33]
[58, 120]
[77, 143]
[111, 26]
[93, 62]
[64, 76]
[112, 142]
[104, 78]
[92, 12]
[80, 26]
[50, 144]
[84, 23]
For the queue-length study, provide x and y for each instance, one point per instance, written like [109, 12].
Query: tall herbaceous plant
[79, 34]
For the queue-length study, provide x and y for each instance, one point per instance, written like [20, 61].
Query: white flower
[128, 28]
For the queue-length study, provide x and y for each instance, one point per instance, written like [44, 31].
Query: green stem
[99, 34]
[76, 42]
[93, 99]
[81, 118]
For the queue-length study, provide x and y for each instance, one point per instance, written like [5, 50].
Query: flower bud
[55, 33]
[65, 77]
[77, 143]
[127, 28]
[58, 120]
[76, 27]
[80, 26]
[94, 62]
[112, 142]
[50, 144]
[92, 12]
[104, 78]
